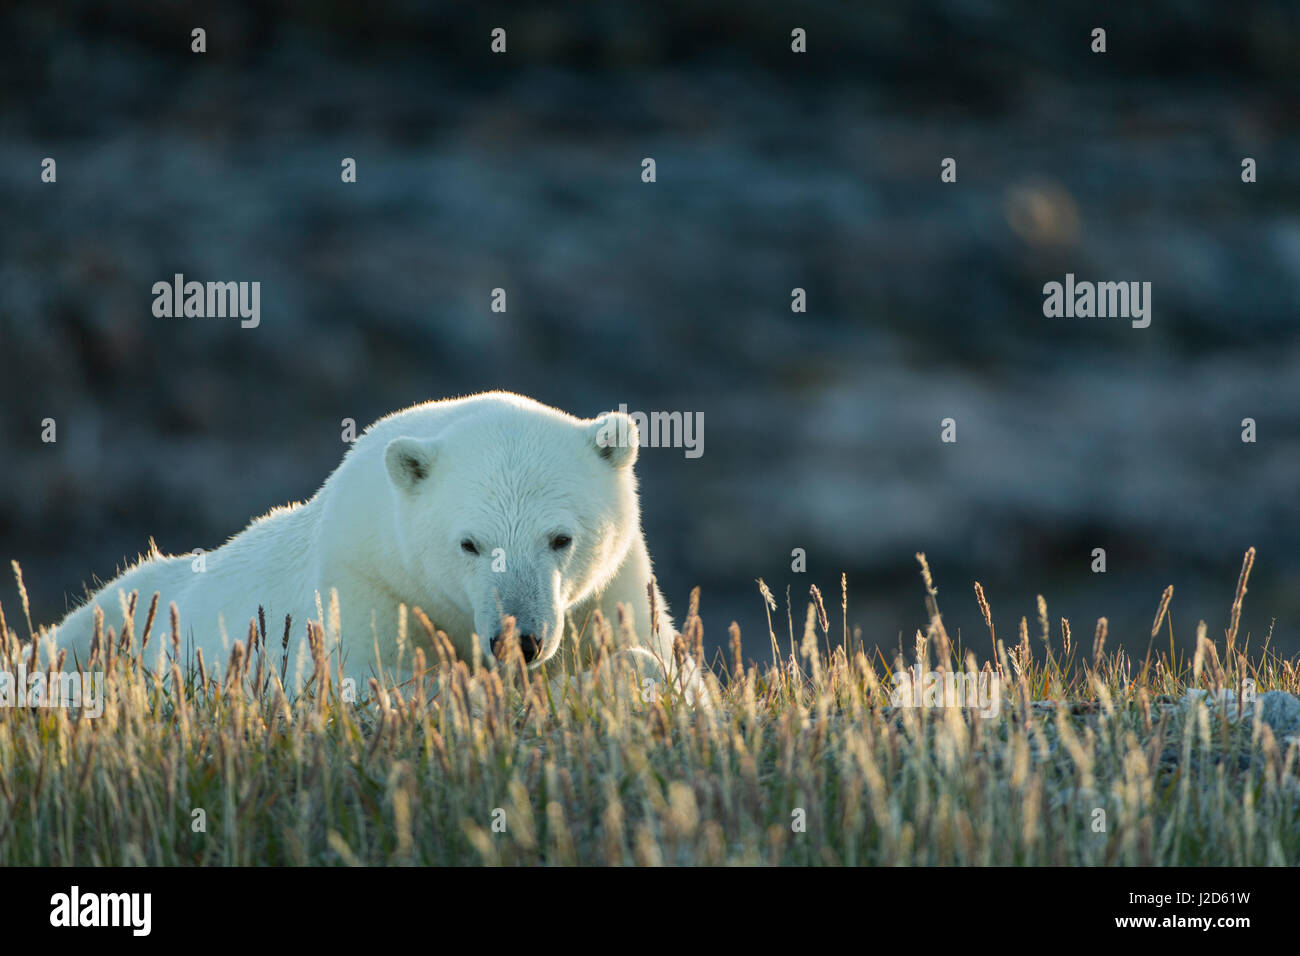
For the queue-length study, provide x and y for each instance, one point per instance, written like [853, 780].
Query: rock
[1278, 709]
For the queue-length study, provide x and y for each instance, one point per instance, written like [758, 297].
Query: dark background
[775, 170]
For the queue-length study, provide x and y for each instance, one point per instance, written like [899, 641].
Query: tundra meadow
[820, 755]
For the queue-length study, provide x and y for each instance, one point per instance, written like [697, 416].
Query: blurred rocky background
[775, 171]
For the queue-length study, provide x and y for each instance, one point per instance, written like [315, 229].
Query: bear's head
[516, 514]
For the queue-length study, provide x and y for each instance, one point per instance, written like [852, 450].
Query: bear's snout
[529, 646]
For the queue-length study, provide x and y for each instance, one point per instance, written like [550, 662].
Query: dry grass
[803, 761]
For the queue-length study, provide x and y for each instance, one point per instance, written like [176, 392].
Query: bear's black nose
[529, 646]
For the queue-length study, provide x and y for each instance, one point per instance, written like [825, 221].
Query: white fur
[386, 529]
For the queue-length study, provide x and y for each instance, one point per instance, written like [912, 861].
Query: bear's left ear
[409, 462]
[615, 438]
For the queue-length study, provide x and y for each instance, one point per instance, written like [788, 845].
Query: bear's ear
[615, 438]
[409, 462]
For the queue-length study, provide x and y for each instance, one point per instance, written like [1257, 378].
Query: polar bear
[473, 509]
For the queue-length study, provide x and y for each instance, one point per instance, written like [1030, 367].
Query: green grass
[597, 775]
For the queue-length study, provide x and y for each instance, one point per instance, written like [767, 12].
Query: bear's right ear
[409, 462]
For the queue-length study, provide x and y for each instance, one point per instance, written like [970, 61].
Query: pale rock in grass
[1277, 708]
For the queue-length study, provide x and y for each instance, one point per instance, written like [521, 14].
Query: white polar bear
[471, 509]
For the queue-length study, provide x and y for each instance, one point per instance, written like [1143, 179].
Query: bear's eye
[560, 542]
[468, 547]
